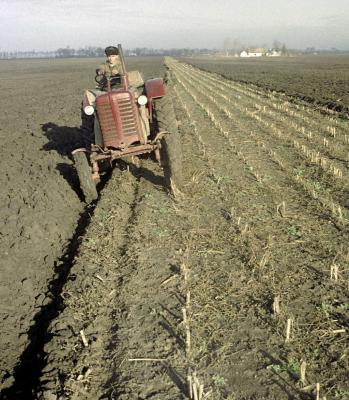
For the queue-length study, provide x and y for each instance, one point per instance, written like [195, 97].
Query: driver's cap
[111, 50]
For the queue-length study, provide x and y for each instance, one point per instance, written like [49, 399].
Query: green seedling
[341, 394]
[328, 308]
[292, 367]
[219, 178]
[343, 307]
[164, 210]
[161, 232]
[317, 186]
[219, 380]
[294, 231]
[298, 172]
[91, 243]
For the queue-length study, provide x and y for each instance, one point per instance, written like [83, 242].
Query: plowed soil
[42, 214]
[233, 287]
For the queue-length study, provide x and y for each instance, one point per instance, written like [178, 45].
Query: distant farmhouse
[246, 53]
[260, 52]
[253, 52]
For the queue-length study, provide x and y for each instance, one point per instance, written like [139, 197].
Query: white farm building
[251, 53]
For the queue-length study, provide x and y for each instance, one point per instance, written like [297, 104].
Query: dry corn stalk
[303, 369]
[318, 391]
[334, 272]
[281, 209]
[276, 305]
[83, 338]
[195, 388]
[289, 327]
[187, 332]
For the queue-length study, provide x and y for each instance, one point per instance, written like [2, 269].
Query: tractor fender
[154, 89]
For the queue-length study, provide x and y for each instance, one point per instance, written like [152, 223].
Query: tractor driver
[111, 67]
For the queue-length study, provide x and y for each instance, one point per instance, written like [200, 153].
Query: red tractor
[129, 121]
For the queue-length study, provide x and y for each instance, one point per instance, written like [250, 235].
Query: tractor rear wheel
[87, 184]
[170, 144]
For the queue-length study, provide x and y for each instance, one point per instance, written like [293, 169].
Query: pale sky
[50, 24]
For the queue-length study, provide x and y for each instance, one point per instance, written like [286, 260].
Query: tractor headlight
[89, 110]
[142, 100]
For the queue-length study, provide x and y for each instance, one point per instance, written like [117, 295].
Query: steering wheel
[102, 80]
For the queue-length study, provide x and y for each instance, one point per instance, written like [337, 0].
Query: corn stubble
[306, 147]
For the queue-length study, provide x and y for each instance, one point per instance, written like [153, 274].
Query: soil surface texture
[42, 212]
[235, 286]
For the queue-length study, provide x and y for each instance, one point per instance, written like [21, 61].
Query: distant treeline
[90, 51]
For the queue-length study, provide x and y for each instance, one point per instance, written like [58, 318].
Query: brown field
[237, 288]
[322, 80]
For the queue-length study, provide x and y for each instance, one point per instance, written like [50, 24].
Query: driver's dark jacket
[109, 69]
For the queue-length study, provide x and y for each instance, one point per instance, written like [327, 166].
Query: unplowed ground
[321, 80]
[234, 288]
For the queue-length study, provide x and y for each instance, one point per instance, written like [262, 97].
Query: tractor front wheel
[87, 184]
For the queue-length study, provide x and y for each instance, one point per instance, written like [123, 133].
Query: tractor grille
[122, 130]
[128, 118]
[106, 120]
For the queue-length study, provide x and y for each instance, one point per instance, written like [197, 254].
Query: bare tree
[231, 46]
[277, 45]
[227, 45]
[284, 50]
